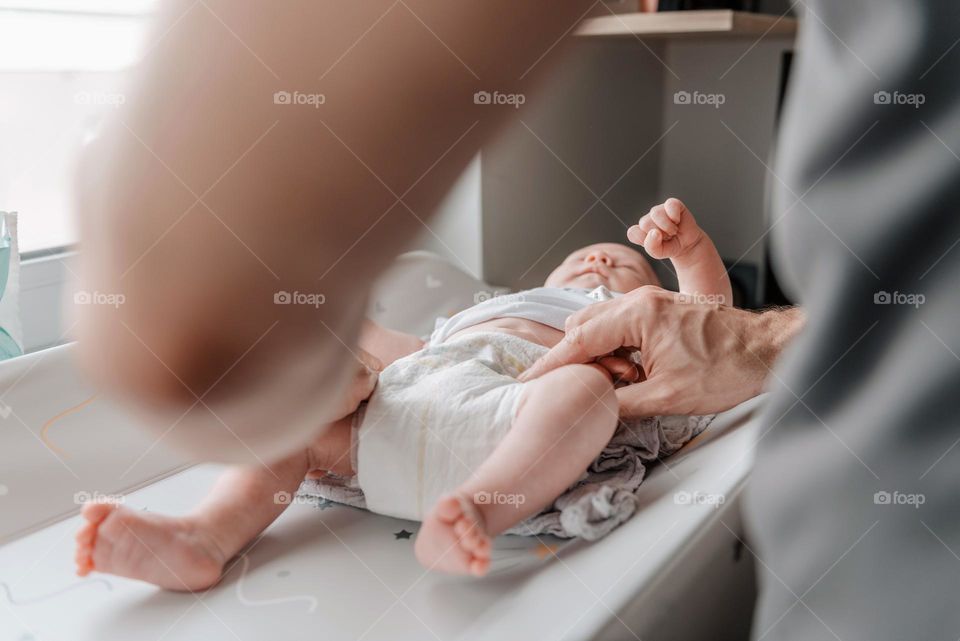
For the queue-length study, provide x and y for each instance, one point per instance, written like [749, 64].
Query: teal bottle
[8, 346]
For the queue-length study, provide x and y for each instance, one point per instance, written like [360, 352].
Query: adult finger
[581, 344]
[585, 314]
[368, 373]
[622, 369]
[368, 360]
[365, 376]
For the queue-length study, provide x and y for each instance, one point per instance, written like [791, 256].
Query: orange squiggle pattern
[44, 431]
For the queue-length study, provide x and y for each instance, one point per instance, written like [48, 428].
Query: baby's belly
[528, 330]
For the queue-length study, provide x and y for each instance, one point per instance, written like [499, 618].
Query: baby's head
[615, 266]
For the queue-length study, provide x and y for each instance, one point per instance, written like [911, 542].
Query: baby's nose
[599, 257]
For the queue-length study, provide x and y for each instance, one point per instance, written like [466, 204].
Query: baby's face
[615, 266]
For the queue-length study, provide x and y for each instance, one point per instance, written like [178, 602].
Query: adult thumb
[581, 344]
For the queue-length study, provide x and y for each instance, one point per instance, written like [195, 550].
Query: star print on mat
[402, 534]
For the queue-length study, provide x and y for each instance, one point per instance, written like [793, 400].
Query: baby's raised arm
[670, 231]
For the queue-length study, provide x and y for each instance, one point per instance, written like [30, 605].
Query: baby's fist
[668, 231]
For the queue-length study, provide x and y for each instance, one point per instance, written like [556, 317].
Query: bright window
[61, 62]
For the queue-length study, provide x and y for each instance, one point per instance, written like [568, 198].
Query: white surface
[422, 286]
[95, 449]
[366, 583]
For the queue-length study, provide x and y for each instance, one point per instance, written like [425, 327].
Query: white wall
[518, 209]
[606, 106]
[44, 284]
[456, 232]
[708, 160]
[581, 137]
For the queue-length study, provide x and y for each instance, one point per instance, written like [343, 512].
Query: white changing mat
[340, 573]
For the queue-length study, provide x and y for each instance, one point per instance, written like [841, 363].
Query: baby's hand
[668, 231]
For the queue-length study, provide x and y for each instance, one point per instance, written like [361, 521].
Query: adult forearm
[774, 330]
[206, 196]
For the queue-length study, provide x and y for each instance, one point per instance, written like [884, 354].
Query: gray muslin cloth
[603, 498]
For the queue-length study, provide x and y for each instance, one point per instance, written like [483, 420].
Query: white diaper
[435, 417]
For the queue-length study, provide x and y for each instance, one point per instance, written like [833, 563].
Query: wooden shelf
[688, 24]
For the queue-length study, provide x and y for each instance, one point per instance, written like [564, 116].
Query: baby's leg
[564, 421]
[189, 552]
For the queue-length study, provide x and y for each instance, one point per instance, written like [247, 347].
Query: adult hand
[367, 368]
[697, 358]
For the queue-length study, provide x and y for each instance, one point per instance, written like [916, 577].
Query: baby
[535, 439]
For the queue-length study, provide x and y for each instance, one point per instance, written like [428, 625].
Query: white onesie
[548, 305]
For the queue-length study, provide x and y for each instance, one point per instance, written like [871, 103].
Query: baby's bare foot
[166, 551]
[453, 538]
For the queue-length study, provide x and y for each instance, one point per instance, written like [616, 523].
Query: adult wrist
[772, 332]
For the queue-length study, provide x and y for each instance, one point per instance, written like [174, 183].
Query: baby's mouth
[592, 269]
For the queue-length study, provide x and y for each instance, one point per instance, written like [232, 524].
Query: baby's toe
[479, 566]
[469, 537]
[86, 534]
[83, 558]
[483, 547]
[448, 509]
[97, 512]
[463, 527]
